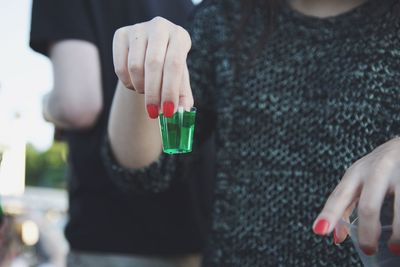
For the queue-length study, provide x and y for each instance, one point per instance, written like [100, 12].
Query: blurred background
[33, 167]
[32, 172]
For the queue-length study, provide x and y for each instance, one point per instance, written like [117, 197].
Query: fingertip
[369, 251]
[321, 227]
[168, 109]
[340, 232]
[339, 237]
[335, 238]
[152, 110]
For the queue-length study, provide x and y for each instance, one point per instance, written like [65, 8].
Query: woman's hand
[150, 58]
[367, 181]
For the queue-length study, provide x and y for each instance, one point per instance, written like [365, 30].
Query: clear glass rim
[353, 225]
[182, 110]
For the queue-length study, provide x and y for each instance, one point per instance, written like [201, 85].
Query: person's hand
[367, 181]
[150, 58]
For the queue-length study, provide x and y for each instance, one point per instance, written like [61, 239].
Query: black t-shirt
[101, 218]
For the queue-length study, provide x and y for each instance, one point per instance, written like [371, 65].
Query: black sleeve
[154, 178]
[157, 176]
[57, 20]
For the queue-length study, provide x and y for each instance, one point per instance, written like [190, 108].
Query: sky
[25, 76]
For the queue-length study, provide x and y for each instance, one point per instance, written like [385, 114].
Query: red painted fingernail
[168, 109]
[152, 110]
[321, 227]
[395, 249]
[369, 251]
[335, 238]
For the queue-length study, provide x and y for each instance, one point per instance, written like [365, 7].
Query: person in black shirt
[77, 36]
[9, 247]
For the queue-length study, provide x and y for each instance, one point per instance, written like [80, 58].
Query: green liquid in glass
[177, 132]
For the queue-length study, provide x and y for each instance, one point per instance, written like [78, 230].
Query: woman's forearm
[149, 57]
[134, 137]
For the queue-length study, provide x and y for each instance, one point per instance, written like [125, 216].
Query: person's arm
[132, 148]
[365, 185]
[131, 131]
[149, 58]
[63, 31]
[76, 100]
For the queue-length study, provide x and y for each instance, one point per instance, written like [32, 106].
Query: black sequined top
[320, 94]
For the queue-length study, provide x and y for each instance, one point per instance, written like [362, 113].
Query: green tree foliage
[46, 168]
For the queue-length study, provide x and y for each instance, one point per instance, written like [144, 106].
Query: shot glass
[383, 257]
[177, 132]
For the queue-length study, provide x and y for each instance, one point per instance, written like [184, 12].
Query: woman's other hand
[367, 181]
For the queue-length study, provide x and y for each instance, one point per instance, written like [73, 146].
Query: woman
[296, 93]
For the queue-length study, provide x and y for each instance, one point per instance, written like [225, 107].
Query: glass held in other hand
[177, 131]
[383, 256]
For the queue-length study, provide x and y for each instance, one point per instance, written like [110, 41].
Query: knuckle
[385, 163]
[119, 32]
[183, 31]
[169, 94]
[154, 62]
[341, 193]
[381, 168]
[368, 210]
[183, 35]
[159, 21]
[174, 63]
[152, 98]
[135, 68]
[135, 27]
[136, 30]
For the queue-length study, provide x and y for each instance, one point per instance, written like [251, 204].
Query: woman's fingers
[371, 178]
[120, 56]
[342, 230]
[394, 243]
[340, 233]
[185, 93]
[368, 211]
[154, 64]
[340, 199]
[174, 66]
[150, 58]
[136, 56]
